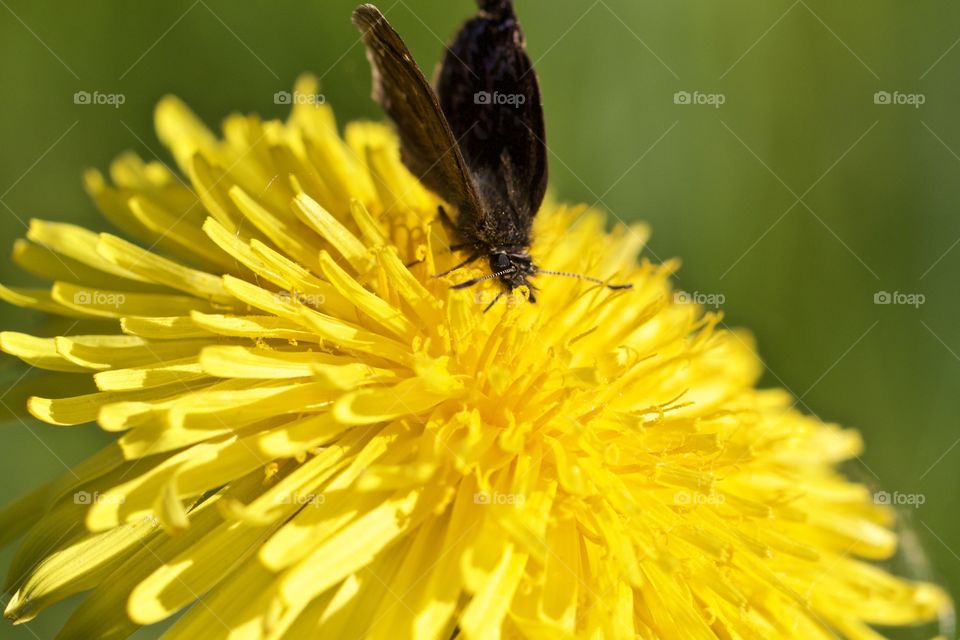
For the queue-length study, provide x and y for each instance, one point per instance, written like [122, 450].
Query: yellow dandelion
[315, 438]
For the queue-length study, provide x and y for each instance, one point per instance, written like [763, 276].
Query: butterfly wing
[490, 95]
[428, 146]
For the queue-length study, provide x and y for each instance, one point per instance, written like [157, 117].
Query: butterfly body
[478, 140]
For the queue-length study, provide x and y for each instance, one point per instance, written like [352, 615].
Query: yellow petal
[236, 610]
[113, 204]
[369, 406]
[333, 231]
[170, 372]
[291, 236]
[179, 233]
[256, 327]
[300, 488]
[423, 303]
[484, 615]
[369, 303]
[150, 266]
[243, 362]
[189, 575]
[213, 408]
[303, 283]
[109, 352]
[182, 131]
[347, 608]
[394, 614]
[80, 409]
[562, 576]
[118, 304]
[434, 607]
[335, 164]
[310, 527]
[76, 567]
[298, 436]
[369, 227]
[39, 299]
[276, 303]
[207, 179]
[351, 337]
[390, 477]
[49, 265]
[103, 612]
[163, 328]
[241, 252]
[76, 243]
[37, 352]
[349, 549]
[138, 496]
[396, 191]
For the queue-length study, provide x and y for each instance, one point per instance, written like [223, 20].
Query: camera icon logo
[682, 97]
[483, 97]
[82, 97]
[282, 97]
[82, 497]
[481, 497]
[882, 497]
[882, 297]
[882, 97]
[82, 297]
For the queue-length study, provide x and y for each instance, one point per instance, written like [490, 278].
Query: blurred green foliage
[797, 200]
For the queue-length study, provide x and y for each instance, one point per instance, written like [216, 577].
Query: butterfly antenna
[489, 276]
[578, 276]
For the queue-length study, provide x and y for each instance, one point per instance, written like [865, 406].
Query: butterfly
[478, 141]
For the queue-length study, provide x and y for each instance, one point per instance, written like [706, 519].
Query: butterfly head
[513, 269]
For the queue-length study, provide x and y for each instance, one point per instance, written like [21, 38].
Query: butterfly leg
[452, 226]
[448, 221]
[490, 306]
[445, 217]
[473, 257]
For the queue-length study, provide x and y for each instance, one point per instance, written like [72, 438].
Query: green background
[797, 200]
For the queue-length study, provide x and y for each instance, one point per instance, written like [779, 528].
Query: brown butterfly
[478, 142]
